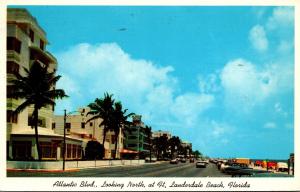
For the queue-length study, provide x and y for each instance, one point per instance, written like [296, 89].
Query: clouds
[277, 31]
[281, 17]
[258, 38]
[144, 87]
[245, 85]
[270, 125]
[189, 106]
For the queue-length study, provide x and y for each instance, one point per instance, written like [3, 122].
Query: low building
[160, 133]
[26, 43]
[78, 127]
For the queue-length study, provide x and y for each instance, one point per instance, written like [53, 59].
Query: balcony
[13, 56]
[43, 56]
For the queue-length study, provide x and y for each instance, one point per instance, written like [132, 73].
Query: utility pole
[64, 145]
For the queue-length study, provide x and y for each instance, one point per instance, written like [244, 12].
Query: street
[162, 169]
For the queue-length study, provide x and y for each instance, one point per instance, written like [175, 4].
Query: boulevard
[161, 169]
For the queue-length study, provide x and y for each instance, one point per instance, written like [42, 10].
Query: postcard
[149, 96]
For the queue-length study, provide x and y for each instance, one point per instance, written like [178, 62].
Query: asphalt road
[161, 169]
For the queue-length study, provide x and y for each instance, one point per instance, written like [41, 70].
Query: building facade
[78, 127]
[26, 42]
[136, 139]
[188, 146]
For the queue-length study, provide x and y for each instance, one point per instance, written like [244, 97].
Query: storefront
[23, 147]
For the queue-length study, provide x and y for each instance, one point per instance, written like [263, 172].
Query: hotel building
[26, 42]
[76, 127]
[136, 139]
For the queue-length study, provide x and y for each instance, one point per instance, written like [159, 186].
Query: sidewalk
[77, 169]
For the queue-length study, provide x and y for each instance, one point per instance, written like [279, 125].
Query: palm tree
[174, 143]
[161, 145]
[148, 133]
[37, 88]
[197, 154]
[102, 109]
[119, 122]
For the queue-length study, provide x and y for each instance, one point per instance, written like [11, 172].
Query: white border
[41, 184]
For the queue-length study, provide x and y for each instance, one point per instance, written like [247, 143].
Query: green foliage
[94, 150]
[114, 118]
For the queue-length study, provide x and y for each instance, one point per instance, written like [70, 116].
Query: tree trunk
[150, 152]
[116, 144]
[104, 134]
[35, 121]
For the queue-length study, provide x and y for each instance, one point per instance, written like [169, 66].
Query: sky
[220, 77]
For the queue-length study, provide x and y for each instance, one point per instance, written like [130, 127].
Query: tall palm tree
[37, 87]
[174, 143]
[102, 109]
[119, 122]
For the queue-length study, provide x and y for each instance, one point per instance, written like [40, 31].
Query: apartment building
[26, 42]
[78, 127]
[136, 139]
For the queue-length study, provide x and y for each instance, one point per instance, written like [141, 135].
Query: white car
[153, 159]
[201, 164]
[223, 166]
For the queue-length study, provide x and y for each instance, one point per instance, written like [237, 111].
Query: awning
[128, 151]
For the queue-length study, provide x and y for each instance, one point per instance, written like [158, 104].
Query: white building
[76, 127]
[26, 42]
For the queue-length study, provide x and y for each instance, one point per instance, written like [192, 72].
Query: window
[113, 139]
[21, 150]
[13, 44]
[69, 150]
[68, 125]
[132, 145]
[42, 44]
[12, 67]
[91, 124]
[53, 125]
[132, 137]
[31, 35]
[41, 121]
[82, 125]
[11, 117]
[79, 149]
[74, 150]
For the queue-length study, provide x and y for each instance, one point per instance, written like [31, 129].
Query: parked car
[153, 159]
[174, 161]
[183, 160]
[201, 164]
[282, 167]
[236, 170]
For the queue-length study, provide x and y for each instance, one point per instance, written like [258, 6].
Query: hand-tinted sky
[219, 77]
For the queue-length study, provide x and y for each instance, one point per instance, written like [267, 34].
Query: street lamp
[64, 148]
[139, 142]
[64, 141]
